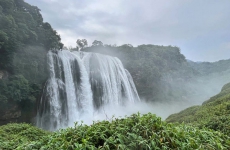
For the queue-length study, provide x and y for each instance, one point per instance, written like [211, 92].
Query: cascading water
[80, 84]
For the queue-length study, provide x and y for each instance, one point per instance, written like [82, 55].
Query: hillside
[213, 113]
[135, 132]
[21, 25]
[24, 42]
[206, 68]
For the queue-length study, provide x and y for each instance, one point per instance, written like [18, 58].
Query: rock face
[12, 114]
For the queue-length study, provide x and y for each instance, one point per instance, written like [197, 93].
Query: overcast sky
[201, 28]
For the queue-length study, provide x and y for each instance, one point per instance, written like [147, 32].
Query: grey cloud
[199, 28]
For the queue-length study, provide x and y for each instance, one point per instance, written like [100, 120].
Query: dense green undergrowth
[213, 113]
[13, 135]
[134, 132]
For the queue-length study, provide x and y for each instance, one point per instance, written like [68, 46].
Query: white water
[80, 85]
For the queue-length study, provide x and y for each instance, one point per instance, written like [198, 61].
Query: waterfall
[80, 84]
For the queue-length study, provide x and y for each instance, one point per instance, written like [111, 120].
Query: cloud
[199, 28]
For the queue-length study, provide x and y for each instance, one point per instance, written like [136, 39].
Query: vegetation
[22, 24]
[14, 135]
[134, 132]
[205, 68]
[213, 113]
[24, 42]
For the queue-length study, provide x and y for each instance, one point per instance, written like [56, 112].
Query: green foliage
[17, 90]
[135, 132]
[24, 42]
[13, 135]
[22, 24]
[213, 114]
[184, 115]
[205, 68]
[3, 38]
[31, 62]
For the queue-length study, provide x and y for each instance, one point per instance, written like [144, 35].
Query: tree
[81, 43]
[97, 43]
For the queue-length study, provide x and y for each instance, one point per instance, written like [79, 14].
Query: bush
[13, 135]
[135, 132]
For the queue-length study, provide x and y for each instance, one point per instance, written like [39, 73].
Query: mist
[184, 87]
[110, 111]
[198, 91]
[195, 91]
